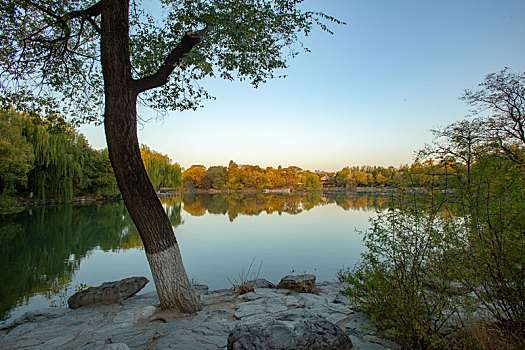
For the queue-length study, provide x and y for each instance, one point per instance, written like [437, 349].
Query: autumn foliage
[253, 177]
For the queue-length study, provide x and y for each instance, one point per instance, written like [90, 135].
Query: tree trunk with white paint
[120, 121]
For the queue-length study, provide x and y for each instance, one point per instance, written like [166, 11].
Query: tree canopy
[50, 53]
[499, 111]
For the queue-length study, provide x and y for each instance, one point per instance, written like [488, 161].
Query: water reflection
[41, 248]
[236, 204]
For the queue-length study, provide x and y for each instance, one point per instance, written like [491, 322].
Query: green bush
[405, 278]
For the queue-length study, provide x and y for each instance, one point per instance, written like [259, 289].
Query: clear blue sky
[369, 94]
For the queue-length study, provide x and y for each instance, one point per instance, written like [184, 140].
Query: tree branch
[160, 78]
[94, 25]
[87, 14]
[92, 11]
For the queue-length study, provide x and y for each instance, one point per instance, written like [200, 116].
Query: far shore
[171, 192]
[350, 190]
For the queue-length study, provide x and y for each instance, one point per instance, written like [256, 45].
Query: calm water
[46, 252]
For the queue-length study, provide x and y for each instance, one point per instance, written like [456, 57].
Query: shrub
[244, 284]
[405, 278]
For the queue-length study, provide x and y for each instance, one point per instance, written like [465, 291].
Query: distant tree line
[45, 157]
[426, 169]
[245, 177]
[239, 177]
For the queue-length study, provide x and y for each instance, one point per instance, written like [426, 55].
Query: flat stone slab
[109, 292]
[289, 331]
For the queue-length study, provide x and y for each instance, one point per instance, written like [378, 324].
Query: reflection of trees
[361, 202]
[236, 204]
[41, 248]
[193, 205]
[172, 206]
[312, 199]
[217, 205]
[240, 204]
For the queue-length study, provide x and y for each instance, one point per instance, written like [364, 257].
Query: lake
[47, 252]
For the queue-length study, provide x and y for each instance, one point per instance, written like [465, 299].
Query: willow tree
[43, 155]
[161, 171]
[59, 152]
[76, 56]
[16, 159]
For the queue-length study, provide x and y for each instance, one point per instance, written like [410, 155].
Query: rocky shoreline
[139, 323]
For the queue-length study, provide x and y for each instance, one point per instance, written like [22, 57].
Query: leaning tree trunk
[120, 121]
